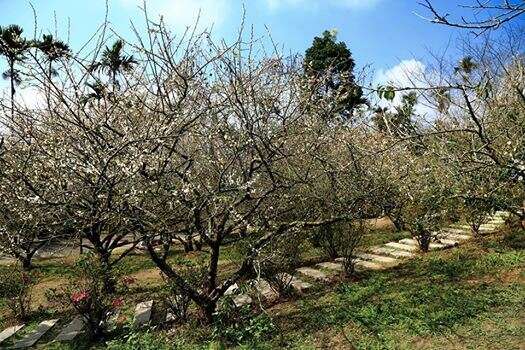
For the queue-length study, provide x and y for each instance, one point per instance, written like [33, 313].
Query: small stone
[143, 313]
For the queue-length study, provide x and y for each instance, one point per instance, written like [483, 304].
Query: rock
[296, 283]
[74, 328]
[142, 313]
[30, 339]
[392, 252]
[413, 242]
[399, 246]
[9, 332]
[313, 273]
[241, 300]
[264, 289]
[331, 266]
[378, 258]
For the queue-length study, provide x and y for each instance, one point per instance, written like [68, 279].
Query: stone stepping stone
[263, 288]
[367, 265]
[431, 246]
[170, 317]
[232, 289]
[378, 258]
[491, 227]
[238, 300]
[399, 246]
[331, 266]
[448, 242]
[364, 265]
[142, 313]
[296, 283]
[454, 236]
[242, 299]
[31, 338]
[458, 231]
[392, 252]
[313, 273]
[69, 332]
[9, 332]
[467, 228]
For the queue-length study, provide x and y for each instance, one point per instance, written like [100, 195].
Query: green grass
[469, 297]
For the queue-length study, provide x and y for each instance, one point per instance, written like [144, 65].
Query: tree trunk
[26, 263]
[208, 310]
[398, 224]
[12, 72]
[108, 279]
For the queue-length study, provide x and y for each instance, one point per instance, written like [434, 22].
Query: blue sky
[381, 33]
[378, 32]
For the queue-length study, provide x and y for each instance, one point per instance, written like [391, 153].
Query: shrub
[16, 289]
[87, 295]
[240, 325]
[176, 300]
[278, 262]
[328, 238]
[350, 238]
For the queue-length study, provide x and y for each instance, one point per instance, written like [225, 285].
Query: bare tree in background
[485, 14]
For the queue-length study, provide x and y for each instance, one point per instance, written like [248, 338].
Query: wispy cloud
[183, 13]
[314, 4]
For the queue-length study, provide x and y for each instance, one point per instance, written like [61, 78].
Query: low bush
[236, 325]
[88, 296]
[16, 289]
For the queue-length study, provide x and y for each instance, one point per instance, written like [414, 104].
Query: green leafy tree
[14, 48]
[331, 63]
[54, 50]
[398, 122]
[115, 62]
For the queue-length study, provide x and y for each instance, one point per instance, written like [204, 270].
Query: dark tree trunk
[26, 263]
[398, 224]
[108, 278]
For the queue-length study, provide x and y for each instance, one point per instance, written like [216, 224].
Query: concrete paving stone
[313, 273]
[30, 339]
[69, 332]
[392, 252]
[378, 258]
[9, 332]
[399, 246]
[335, 266]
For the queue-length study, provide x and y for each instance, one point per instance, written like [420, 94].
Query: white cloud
[314, 4]
[182, 13]
[406, 74]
